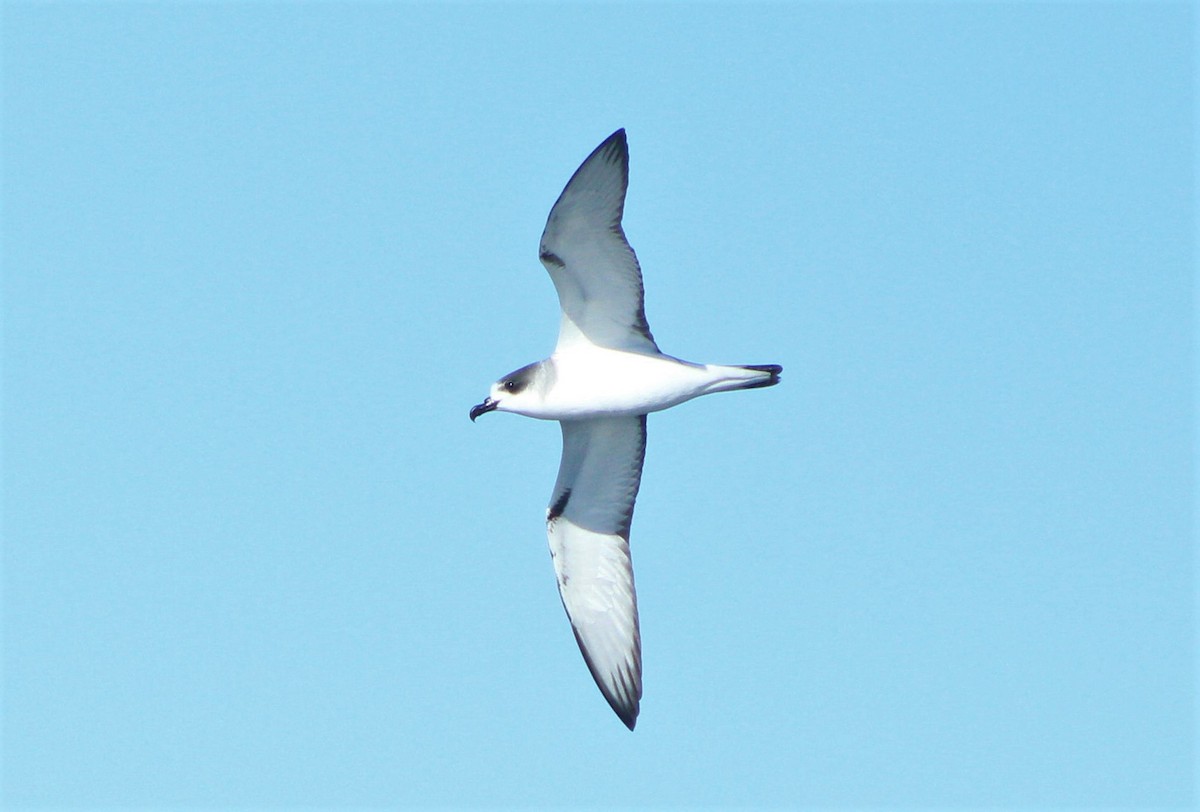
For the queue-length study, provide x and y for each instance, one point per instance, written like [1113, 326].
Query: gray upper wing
[594, 270]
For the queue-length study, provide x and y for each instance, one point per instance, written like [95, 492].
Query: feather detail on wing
[588, 528]
[593, 268]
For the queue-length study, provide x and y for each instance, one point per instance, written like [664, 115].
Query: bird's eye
[510, 386]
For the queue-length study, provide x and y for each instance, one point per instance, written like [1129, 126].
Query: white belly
[598, 382]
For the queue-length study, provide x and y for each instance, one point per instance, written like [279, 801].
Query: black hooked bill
[488, 405]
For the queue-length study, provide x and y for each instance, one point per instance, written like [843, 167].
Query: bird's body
[605, 376]
[587, 381]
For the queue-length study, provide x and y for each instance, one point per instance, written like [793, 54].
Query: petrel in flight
[605, 376]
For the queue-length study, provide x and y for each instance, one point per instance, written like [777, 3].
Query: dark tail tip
[773, 369]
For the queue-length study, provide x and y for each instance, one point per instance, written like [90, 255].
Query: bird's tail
[750, 376]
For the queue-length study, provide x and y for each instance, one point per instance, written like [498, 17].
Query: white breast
[590, 381]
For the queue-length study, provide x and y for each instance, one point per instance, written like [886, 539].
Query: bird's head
[515, 392]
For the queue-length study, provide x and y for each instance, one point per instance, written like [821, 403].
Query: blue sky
[260, 259]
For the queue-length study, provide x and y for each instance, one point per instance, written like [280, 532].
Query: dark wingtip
[626, 708]
[628, 714]
[615, 146]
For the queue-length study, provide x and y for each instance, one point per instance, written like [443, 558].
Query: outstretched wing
[594, 270]
[588, 527]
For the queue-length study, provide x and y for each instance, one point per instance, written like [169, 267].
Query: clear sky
[260, 259]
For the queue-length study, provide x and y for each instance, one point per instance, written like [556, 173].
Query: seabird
[605, 376]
